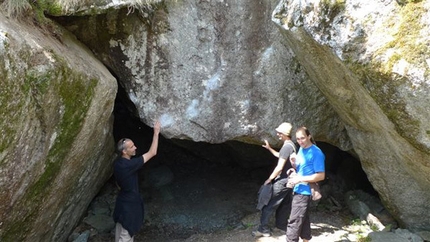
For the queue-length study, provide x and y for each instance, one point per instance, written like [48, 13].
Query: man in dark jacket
[128, 213]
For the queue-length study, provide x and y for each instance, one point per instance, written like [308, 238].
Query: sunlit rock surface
[56, 148]
[211, 71]
[355, 73]
[371, 62]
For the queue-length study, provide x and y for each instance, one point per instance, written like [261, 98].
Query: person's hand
[289, 184]
[293, 180]
[157, 127]
[266, 144]
[293, 158]
[291, 172]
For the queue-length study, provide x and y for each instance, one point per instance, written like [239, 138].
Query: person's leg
[283, 211]
[117, 231]
[297, 216]
[279, 192]
[122, 235]
[306, 227]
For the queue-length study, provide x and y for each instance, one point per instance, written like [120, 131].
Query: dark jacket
[264, 195]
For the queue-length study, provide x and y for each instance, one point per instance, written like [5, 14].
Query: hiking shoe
[257, 233]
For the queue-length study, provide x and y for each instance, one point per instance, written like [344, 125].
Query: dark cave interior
[187, 191]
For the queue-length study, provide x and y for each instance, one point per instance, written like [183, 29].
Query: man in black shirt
[128, 213]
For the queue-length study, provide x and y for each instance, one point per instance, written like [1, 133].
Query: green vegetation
[359, 229]
[133, 5]
[10, 105]
[248, 225]
[49, 6]
[20, 8]
[373, 227]
[356, 221]
[73, 94]
[28, 8]
[15, 8]
[404, 2]
[383, 87]
[378, 77]
[406, 41]
[361, 238]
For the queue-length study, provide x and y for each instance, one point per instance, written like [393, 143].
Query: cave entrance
[194, 187]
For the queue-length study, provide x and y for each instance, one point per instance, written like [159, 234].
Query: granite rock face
[355, 73]
[211, 71]
[371, 61]
[56, 148]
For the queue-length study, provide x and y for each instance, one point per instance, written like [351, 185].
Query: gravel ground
[326, 227]
[205, 206]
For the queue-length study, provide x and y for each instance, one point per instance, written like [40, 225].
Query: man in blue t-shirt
[128, 213]
[309, 165]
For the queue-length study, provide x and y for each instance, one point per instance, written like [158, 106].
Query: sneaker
[257, 233]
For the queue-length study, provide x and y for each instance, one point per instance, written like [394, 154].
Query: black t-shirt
[129, 204]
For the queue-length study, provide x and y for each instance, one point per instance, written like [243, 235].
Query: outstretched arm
[267, 146]
[154, 145]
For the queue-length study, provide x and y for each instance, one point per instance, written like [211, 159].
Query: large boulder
[56, 148]
[355, 73]
[216, 71]
[212, 71]
[370, 59]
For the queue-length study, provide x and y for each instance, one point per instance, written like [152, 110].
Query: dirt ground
[326, 227]
[204, 206]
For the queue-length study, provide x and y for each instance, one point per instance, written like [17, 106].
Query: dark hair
[120, 146]
[307, 132]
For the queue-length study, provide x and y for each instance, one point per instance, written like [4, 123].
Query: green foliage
[361, 238]
[373, 227]
[24, 8]
[133, 4]
[19, 8]
[49, 6]
[15, 8]
[406, 37]
[248, 225]
[356, 221]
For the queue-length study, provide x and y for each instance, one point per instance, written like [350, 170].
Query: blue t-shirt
[308, 162]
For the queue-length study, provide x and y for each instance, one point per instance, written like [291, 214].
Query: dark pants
[299, 224]
[283, 211]
[281, 202]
